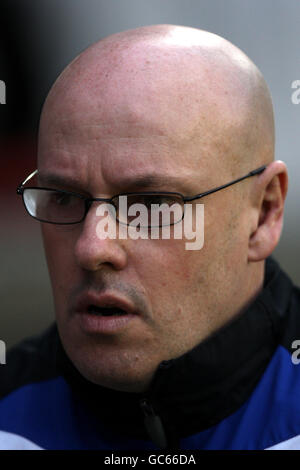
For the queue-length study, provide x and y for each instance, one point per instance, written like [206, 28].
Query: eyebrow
[152, 181]
[134, 182]
[61, 181]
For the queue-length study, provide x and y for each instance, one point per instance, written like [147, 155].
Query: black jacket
[239, 389]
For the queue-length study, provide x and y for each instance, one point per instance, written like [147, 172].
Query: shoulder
[281, 298]
[280, 383]
[32, 360]
[290, 329]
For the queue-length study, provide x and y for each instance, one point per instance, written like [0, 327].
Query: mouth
[105, 304]
[105, 311]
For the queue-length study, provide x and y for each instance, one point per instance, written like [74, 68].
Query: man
[158, 346]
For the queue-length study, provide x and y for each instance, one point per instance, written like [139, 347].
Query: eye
[158, 199]
[62, 199]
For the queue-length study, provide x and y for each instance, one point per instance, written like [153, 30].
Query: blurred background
[38, 38]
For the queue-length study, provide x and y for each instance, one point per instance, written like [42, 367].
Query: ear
[270, 192]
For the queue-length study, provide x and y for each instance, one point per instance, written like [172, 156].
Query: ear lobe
[273, 187]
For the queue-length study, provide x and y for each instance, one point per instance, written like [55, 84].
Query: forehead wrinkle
[96, 127]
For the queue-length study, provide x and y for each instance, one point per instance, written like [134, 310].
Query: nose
[93, 251]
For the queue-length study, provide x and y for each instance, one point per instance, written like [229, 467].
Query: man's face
[173, 297]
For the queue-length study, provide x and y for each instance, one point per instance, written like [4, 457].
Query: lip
[91, 323]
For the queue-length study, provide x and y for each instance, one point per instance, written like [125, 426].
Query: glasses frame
[88, 201]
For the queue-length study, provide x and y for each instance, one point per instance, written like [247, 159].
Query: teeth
[105, 311]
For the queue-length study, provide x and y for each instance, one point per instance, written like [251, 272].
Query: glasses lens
[53, 206]
[149, 210]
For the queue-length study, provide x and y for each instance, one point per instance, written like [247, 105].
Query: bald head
[183, 82]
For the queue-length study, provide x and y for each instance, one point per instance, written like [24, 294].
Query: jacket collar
[206, 384]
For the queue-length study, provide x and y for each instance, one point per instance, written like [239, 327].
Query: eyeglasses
[60, 207]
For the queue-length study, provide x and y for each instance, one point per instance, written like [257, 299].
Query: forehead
[131, 122]
[114, 155]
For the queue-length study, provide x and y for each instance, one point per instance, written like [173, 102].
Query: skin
[189, 107]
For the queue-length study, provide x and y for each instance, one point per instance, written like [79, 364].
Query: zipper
[153, 424]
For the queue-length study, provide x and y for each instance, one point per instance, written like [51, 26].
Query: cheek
[164, 267]
[59, 254]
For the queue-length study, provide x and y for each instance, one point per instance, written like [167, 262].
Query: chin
[121, 380]
[112, 369]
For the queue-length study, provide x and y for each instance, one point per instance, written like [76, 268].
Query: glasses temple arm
[27, 179]
[257, 171]
[251, 173]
